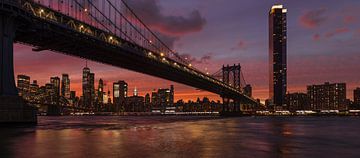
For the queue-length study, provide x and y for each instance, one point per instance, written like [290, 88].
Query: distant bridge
[106, 31]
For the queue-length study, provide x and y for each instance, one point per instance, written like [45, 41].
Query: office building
[55, 81]
[120, 92]
[23, 85]
[277, 55]
[357, 97]
[65, 86]
[100, 92]
[86, 88]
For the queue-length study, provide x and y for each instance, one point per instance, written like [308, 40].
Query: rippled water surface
[96, 136]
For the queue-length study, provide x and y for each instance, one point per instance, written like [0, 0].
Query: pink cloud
[316, 37]
[313, 19]
[241, 45]
[150, 12]
[336, 32]
[349, 20]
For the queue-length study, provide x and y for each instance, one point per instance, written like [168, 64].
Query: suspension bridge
[104, 31]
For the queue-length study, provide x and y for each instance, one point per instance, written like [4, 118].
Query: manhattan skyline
[322, 46]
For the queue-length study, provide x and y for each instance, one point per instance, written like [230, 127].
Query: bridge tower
[231, 76]
[13, 109]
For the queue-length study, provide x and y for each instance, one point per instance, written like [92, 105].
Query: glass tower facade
[277, 55]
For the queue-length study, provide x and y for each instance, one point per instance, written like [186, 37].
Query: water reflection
[179, 137]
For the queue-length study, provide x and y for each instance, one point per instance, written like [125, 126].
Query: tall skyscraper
[55, 81]
[327, 96]
[65, 86]
[277, 53]
[92, 89]
[100, 93]
[154, 98]
[86, 87]
[23, 85]
[357, 97]
[171, 99]
[147, 99]
[120, 92]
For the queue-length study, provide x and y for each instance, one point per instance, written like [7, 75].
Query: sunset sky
[323, 44]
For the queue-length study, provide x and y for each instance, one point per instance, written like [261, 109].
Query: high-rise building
[147, 99]
[65, 86]
[23, 85]
[34, 88]
[327, 96]
[277, 54]
[55, 81]
[171, 99]
[50, 93]
[154, 98]
[101, 92]
[357, 97]
[92, 89]
[135, 92]
[248, 90]
[86, 87]
[120, 92]
[164, 96]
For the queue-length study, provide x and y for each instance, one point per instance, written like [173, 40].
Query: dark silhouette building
[277, 54]
[120, 92]
[100, 92]
[297, 101]
[327, 96]
[65, 86]
[23, 85]
[357, 97]
[55, 81]
[86, 94]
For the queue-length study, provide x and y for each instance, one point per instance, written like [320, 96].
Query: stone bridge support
[13, 108]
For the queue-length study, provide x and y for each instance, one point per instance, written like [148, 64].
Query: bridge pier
[13, 108]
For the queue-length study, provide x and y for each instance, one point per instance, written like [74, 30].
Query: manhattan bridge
[109, 32]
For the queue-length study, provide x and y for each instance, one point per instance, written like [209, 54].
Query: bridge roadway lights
[13, 109]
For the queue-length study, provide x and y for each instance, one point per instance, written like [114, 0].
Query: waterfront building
[65, 86]
[34, 88]
[134, 104]
[327, 96]
[297, 101]
[87, 86]
[55, 81]
[100, 92]
[154, 98]
[357, 97]
[50, 94]
[120, 92]
[92, 89]
[23, 85]
[164, 96]
[277, 55]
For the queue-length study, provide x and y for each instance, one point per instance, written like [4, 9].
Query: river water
[172, 136]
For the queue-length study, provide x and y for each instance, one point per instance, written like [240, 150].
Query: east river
[174, 136]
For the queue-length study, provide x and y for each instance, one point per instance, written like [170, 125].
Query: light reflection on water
[97, 136]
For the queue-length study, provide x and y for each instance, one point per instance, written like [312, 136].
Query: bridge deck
[46, 29]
